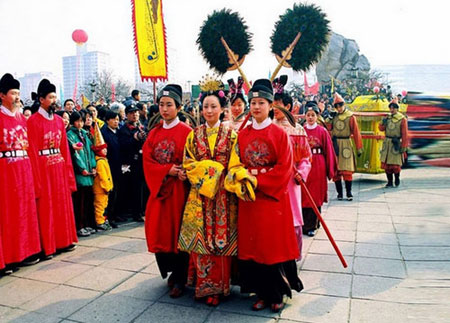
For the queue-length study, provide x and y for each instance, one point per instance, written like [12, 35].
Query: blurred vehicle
[429, 129]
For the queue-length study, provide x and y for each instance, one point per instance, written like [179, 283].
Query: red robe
[162, 149]
[54, 182]
[323, 166]
[19, 230]
[266, 232]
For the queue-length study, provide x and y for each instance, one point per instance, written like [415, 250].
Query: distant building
[29, 83]
[90, 64]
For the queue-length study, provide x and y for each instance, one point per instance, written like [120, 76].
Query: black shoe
[83, 233]
[91, 230]
[104, 226]
[397, 179]
[44, 257]
[120, 219]
[30, 261]
[113, 224]
[348, 189]
[389, 179]
[138, 219]
[338, 185]
[311, 233]
[72, 247]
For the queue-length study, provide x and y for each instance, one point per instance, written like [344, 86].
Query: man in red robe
[19, 231]
[53, 174]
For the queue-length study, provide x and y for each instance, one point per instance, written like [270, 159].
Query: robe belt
[259, 170]
[13, 153]
[50, 151]
[393, 137]
[341, 137]
[316, 151]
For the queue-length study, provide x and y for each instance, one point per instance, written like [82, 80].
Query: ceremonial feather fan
[232, 28]
[311, 22]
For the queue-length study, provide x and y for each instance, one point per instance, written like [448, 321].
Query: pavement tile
[111, 242]
[379, 267]
[224, 317]
[161, 312]
[21, 291]
[333, 216]
[17, 315]
[368, 311]
[112, 308]
[151, 269]
[6, 280]
[379, 209]
[380, 288]
[142, 286]
[99, 278]
[61, 301]
[376, 237]
[325, 247]
[90, 255]
[376, 227]
[423, 227]
[371, 217]
[424, 239]
[425, 253]
[378, 250]
[317, 308]
[134, 232]
[130, 261]
[327, 263]
[427, 269]
[56, 272]
[338, 235]
[242, 304]
[341, 225]
[326, 283]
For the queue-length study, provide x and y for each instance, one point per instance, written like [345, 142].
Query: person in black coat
[110, 134]
[131, 138]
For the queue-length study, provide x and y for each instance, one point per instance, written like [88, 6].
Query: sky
[35, 35]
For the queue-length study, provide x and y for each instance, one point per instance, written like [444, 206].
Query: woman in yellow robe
[208, 230]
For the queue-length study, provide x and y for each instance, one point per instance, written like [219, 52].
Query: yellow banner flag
[150, 39]
[84, 101]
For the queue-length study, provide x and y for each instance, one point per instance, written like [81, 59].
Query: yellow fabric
[204, 176]
[150, 39]
[100, 123]
[241, 183]
[192, 236]
[103, 181]
[100, 204]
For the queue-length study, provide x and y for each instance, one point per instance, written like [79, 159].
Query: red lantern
[79, 36]
[376, 89]
[404, 92]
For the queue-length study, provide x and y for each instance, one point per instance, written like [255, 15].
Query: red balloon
[79, 36]
[404, 92]
[376, 89]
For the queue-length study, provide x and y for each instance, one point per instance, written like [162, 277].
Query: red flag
[245, 87]
[113, 92]
[305, 84]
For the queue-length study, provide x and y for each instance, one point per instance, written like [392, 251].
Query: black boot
[389, 178]
[397, 179]
[348, 188]
[339, 189]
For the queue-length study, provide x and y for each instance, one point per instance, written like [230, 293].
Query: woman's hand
[174, 170]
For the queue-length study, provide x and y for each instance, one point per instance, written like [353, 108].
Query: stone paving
[396, 243]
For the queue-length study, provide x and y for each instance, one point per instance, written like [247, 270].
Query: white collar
[262, 125]
[311, 126]
[45, 114]
[174, 123]
[8, 112]
[215, 126]
[113, 130]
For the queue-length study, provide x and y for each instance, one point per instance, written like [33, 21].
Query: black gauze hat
[262, 88]
[130, 107]
[44, 88]
[312, 106]
[8, 82]
[173, 91]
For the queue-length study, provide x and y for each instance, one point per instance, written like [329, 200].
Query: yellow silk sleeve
[238, 179]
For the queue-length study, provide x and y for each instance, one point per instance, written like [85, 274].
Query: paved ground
[396, 242]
